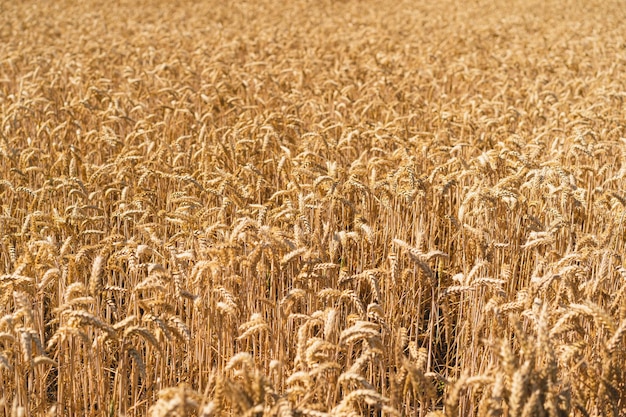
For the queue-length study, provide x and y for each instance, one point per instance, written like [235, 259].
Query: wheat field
[312, 208]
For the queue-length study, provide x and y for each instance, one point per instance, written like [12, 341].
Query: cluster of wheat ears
[312, 208]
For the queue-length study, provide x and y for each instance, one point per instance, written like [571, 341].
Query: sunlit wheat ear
[331, 324]
[394, 267]
[179, 400]
[520, 388]
[352, 298]
[292, 297]
[95, 280]
[360, 330]
[255, 325]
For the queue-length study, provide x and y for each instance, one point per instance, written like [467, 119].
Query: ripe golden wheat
[312, 208]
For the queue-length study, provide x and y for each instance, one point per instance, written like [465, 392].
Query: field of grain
[312, 208]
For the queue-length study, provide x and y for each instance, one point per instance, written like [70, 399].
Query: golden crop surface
[312, 208]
